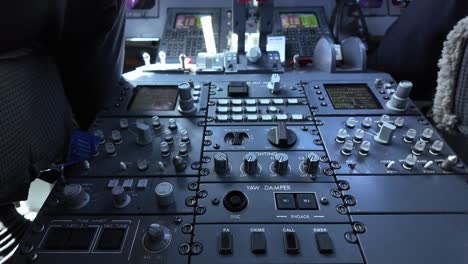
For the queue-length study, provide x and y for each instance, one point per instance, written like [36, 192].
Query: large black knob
[281, 163]
[221, 163]
[157, 237]
[311, 163]
[281, 136]
[75, 196]
[250, 163]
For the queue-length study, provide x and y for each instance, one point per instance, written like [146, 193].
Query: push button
[225, 243]
[285, 201]
[324, 243]
[291, 244]
[111, 239]
[306, 201]
[258, 242]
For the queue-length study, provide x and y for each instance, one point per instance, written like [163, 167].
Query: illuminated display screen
[189, 21]
[299, 20]
[401, 3]
[140, 4]
[370, 3]
[351, 96]
[154, 98]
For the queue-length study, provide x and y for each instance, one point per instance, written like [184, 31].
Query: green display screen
[299, 20]
[351, 96]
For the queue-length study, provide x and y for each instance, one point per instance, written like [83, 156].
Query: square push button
[225, 244]
[291, 244]
[324, 243]
[258, 242]
[57, 239]
[81, 238]
[111, 239]
[238, 89]
[306, 201]
[285, 201]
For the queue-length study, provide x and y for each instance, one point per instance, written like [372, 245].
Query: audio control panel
[282, 168]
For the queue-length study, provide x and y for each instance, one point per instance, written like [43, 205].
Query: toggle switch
[275, 83]
[168, 137]
[399, 122]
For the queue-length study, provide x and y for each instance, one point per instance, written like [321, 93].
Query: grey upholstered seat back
[35, 121]
[461, 99]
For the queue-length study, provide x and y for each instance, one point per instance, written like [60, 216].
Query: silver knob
[347, 148]
[399, 100]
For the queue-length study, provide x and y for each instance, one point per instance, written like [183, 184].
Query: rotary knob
[281, 163]
[221, 163]
[164, 194]
[385, 134]
[143, 132]
[312, 162]
[179, 164]
[120, 198]
[281, 136]
[399, 100]
[250, 163]
[186, 103]
[157, 238]
[75, 196]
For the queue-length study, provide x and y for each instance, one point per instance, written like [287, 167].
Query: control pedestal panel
[289, 168]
